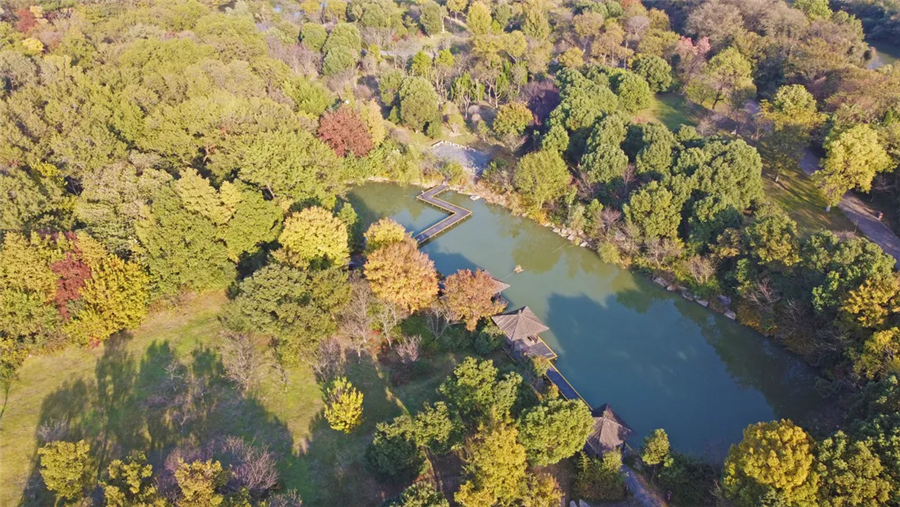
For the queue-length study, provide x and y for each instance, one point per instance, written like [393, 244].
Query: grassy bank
[112, 395]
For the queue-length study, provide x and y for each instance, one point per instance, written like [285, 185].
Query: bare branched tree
[356, 319]
[53, 430]
[327, 361]
[409, 350]
[387, 316]
[763, 294]
[252, 468]
[702, 269]
[609, 218]
[438, 317]
[244, 363]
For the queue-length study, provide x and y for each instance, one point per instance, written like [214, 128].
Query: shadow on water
[160, 402]
[685, 371]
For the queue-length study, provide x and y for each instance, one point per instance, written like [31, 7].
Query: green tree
[554, 430]
[790, 118]
[541, 176]
[655, 211]
[343, 408]
[773, 237]
[603, 160]
[254, 220]
[180, 247]
[309, 95]
[475, 392]
[729, 75]
[655, 449]
[66, 468]
[421, 65]
[313, 36]
[572, 58]
[344, 35]
[478, 18]
[432, 18]
[600, 478]
[394, 455]
[655, 70]
[314, 237]
[854, 158]
[512, 119]
[633, 91]
[774, 456]
[200, 482]
[495, 466]
[421, 494]
[436, 429]
[403, 275]
[339, 59]
[814, 9]
[130, 483]
[384, 232]
[418, 103]
[291, 165]
[297, 307]
[850, 473]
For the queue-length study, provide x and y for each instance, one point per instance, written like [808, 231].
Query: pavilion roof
[609, 431]
[519, 324]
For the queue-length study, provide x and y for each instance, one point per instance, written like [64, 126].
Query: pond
[885, 53]
[659, 360]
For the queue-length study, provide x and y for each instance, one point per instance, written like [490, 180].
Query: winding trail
[859, 213]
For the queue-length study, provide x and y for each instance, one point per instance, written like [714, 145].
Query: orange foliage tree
[401, 274]
[469, 296]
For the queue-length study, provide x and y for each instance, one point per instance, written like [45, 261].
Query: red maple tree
[345, 132]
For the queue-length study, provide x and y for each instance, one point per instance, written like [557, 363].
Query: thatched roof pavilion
[499, 286]
[519, 324]
[609, 432]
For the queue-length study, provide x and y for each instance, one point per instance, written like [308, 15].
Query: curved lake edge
[791, 374]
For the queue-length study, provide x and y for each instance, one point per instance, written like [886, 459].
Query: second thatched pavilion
[522, 329]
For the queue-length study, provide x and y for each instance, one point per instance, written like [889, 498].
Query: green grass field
[111, 396]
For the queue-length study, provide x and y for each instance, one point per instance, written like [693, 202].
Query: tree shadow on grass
[163, 400]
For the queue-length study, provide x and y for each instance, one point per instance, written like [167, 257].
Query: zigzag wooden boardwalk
[457, 214]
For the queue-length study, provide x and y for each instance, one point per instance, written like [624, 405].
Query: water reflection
[659, 360]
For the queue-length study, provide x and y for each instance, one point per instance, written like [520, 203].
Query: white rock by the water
[702, 302]
[730, 314]
[584, 244]
[573, 504]
[582, 503]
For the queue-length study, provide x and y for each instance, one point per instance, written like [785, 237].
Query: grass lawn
[798, 196]
[115, 396]
[672, 110]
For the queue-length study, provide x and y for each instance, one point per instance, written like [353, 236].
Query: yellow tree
[344, 406]
[401, 274]
[496, 468]
[854, 158]
[470, 296]
[199, 482]
[880, 355]
[774, 457]
[315, 238]
[382, 233]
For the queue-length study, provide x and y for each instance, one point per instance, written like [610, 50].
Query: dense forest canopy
[151, 149]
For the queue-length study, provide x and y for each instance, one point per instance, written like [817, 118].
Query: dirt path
[860, 213]
[643, 495]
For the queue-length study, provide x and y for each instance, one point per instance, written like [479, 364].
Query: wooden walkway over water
[565, 388]
[457, 213]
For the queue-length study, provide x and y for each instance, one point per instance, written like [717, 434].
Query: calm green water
[885, 54]
[659, 360]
